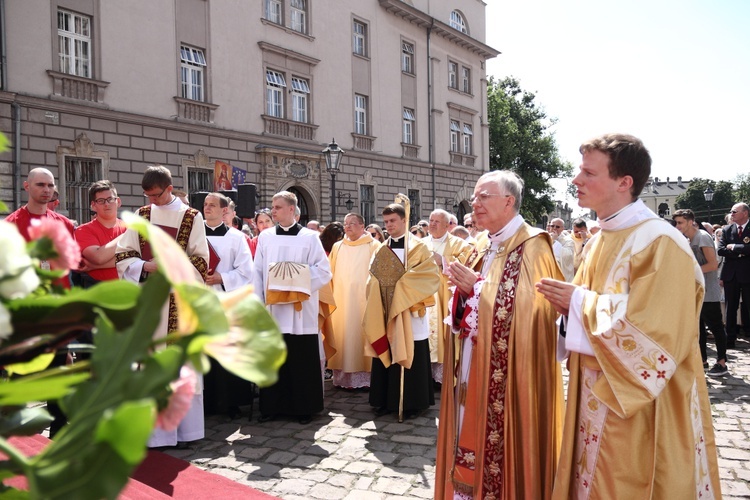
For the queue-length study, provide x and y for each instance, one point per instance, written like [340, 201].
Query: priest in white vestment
[290, 267]
[230, 267]
[186, 224]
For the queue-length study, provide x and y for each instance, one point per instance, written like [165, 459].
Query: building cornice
[415, 16]
[269, 47]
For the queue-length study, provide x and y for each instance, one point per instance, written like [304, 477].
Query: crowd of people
[485, 312]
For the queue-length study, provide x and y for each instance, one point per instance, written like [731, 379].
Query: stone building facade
[94, 89]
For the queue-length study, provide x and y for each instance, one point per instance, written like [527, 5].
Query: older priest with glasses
[500, 421]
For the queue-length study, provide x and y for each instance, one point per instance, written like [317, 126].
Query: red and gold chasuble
[465, 463]
[507, 443]
[182, 237]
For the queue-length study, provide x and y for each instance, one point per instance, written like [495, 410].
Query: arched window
[458, 23]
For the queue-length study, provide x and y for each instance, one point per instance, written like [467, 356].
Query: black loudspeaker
[245, 201]
[196, 200]
[231, 194]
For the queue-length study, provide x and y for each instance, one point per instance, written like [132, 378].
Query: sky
[675, 74]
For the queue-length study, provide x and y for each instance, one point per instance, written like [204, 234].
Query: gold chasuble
[394, 293]
[638, 421]
[499, 431]
[344, 341]
[454, 249]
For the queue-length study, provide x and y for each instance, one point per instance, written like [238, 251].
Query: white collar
[171, 205]
[508, 230]
[213, 228]
[628, 216]
[441, 239]
[287, 228]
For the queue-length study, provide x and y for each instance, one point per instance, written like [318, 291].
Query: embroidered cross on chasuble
[388, 269]
[466, 447]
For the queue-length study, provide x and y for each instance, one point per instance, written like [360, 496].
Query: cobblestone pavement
[348, 453]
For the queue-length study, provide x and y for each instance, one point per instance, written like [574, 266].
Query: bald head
[438, 225]
[556, 226]
[40, 185]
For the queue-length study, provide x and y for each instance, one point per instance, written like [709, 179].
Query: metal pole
[709, 212]
[333, 197]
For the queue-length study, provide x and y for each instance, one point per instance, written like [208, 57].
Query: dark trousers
[733, 290]
[711, 318]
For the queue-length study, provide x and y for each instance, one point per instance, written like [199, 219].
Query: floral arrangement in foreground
[131, 382]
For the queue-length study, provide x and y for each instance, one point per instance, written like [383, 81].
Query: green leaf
[127, 429]
[37, 315]
[25, 422]
[14, 494]
[37, 364]
[202, 305]
[19, 391]
[253, 349]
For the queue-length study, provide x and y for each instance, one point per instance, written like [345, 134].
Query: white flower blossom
[17, 275]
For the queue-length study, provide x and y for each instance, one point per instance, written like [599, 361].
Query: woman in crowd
[418, 231]
[331, 234]
[376, 232]
[262, 221]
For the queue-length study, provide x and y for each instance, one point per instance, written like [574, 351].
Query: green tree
[520, 140]
[694, 199]
[742, 188]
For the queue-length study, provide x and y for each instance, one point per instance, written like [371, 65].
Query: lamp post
[333, 154]
[708, 195]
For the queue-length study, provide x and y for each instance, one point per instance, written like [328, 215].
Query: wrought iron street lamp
[708, 195]
[349, 203]
[333, 154]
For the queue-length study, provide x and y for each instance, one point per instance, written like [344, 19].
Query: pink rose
[183, 390]
[68, 253]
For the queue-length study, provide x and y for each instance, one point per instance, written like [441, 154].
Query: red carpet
[159, 476]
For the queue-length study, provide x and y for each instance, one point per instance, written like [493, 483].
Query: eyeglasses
[350, 224]
[734, 211]
[152, 196]
[483, 197]
[423, 224]
[105, 201]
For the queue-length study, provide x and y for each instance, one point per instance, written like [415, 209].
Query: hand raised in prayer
[461, 276]
[558, 293]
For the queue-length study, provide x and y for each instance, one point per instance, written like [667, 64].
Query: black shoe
[705, 366]
[266, 418]
[328, 374]
[411, 414]
[718, 371]
[182, 445]
[305, 419]
[233, 412]
[381, 411]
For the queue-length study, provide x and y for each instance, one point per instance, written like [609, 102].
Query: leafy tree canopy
[520, 140]
[694, 199]
[742, 188]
